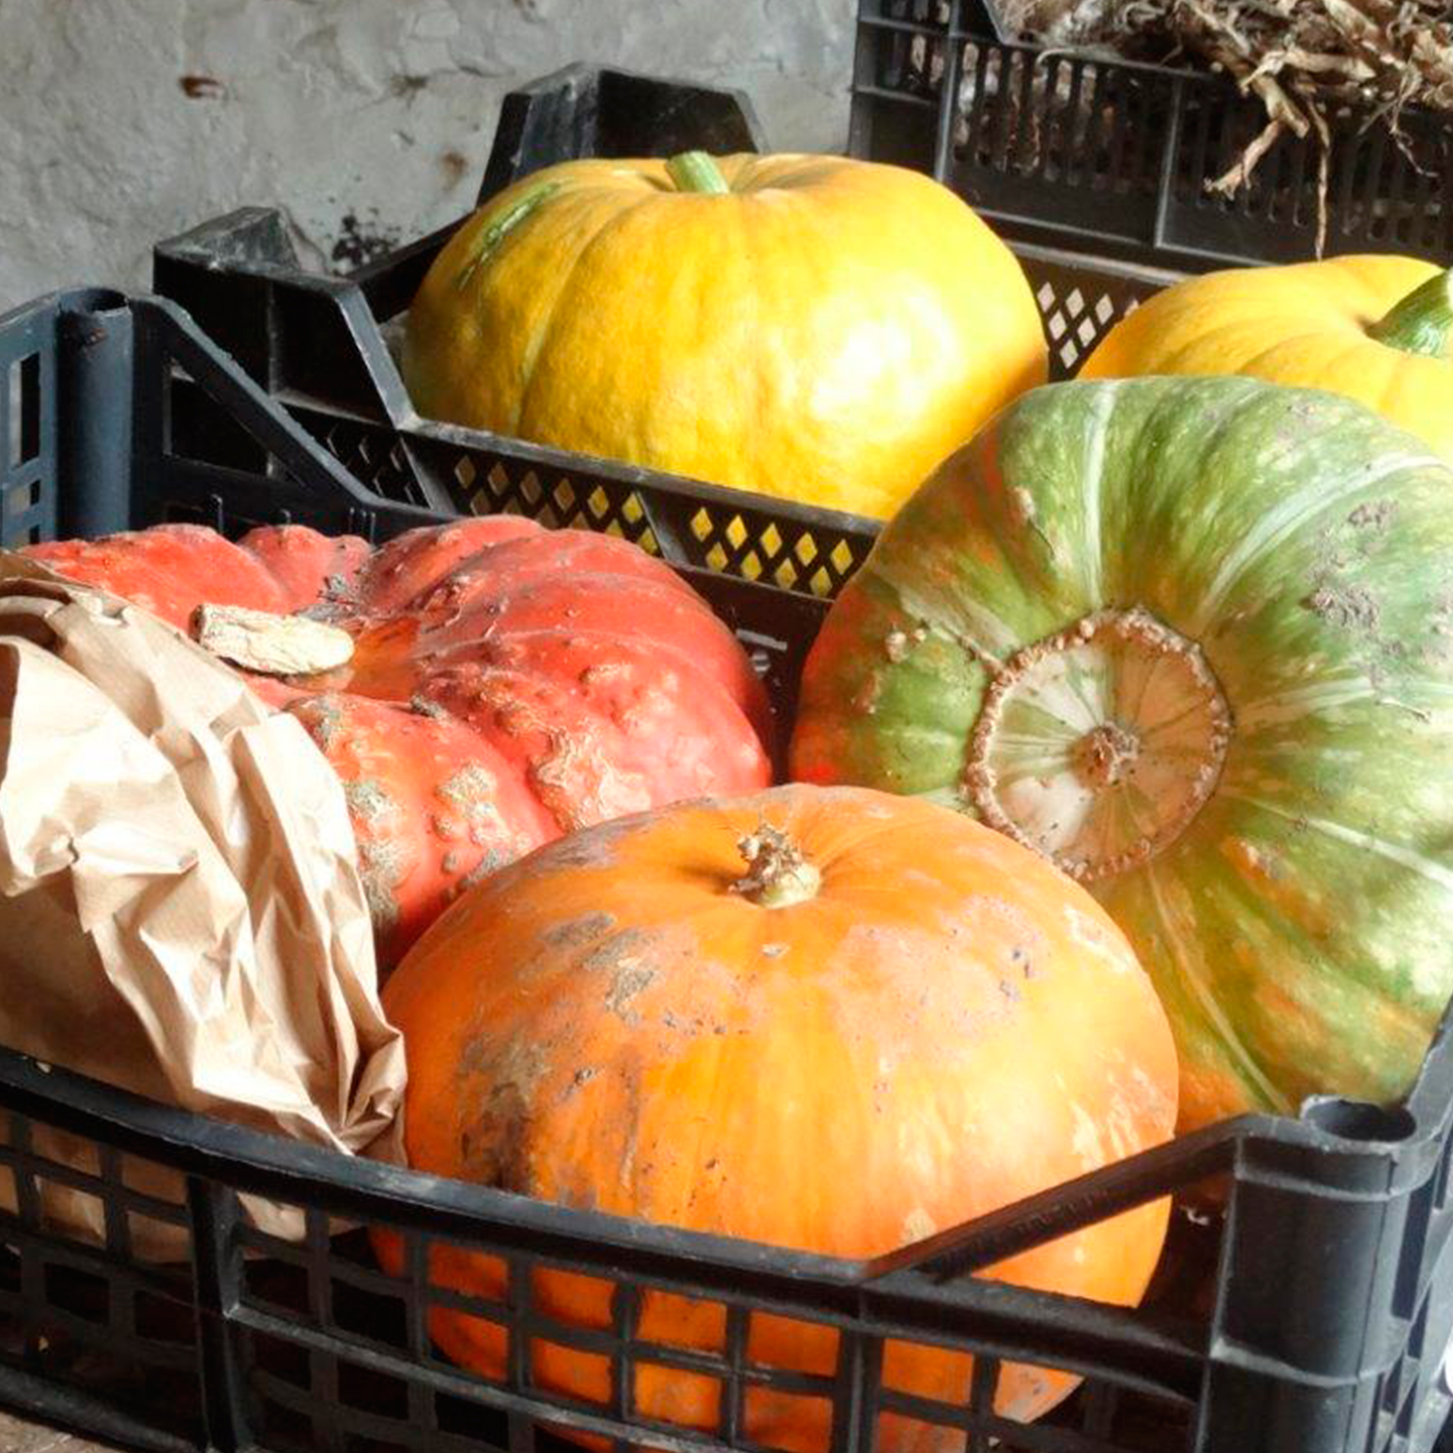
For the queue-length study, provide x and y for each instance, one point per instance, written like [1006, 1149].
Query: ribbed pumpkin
[808, 327]
[1374, 328]
[1192, 639]
[832, 1020]
[507, 683]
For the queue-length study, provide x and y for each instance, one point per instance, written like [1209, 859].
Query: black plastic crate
[1106, 156]
[1312, 1317]
[318, 344]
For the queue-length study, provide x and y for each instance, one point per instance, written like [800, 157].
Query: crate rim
[257, 1162]
[351, 289]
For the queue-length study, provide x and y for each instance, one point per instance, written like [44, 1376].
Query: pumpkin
[808, 327]
[1192, 640]
[833, 1020]
[499, 684]
[1373, 328]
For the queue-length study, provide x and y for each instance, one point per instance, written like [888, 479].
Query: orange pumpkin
[888, 1021]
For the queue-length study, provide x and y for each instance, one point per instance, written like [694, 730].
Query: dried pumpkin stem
[1099, 799]
[269, 644]
[777, 874]
[696, 171]
[1420, 323]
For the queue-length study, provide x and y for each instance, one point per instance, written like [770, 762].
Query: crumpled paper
[180, 908]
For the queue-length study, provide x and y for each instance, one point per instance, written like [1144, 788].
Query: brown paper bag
[180, 908]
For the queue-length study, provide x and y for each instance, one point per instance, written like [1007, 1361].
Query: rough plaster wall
[367, 121]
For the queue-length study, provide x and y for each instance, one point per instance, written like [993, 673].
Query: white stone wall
[366, 121]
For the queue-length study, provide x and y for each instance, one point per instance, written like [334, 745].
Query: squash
[1373, 328]
[1192, 639]
[832, 1020]
[497, 685]
[808, 327]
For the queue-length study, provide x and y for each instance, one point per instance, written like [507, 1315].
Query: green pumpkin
[1192, 639]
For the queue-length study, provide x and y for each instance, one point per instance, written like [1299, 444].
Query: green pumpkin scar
[500, 228]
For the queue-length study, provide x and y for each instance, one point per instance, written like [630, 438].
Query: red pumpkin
[507, 684]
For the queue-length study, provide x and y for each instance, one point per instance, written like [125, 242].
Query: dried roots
[1304, 60]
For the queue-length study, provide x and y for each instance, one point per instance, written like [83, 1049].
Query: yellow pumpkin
[1374, 328]
[808, 327]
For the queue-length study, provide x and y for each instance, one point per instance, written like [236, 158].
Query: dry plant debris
[1304, 60]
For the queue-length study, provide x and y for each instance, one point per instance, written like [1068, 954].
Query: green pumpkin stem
[696, 171]
[1420, 323]
[500, 227]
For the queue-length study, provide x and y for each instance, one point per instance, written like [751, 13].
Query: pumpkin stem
[1098, 800]
[271, 645]
[1420, 323]
[696, 171]
[777, 874]
[1105, 755]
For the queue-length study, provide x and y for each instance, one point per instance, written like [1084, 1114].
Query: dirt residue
[577, 932]
[470, 791]
[579, 785]
[369, 801]
[447, 828]
[1352, 607]
[898, 643]
[586, 850]
[323, 717]
[865, 699]
[1443, 613]
[1376, 515]
[1020, 922]
[617, 951]
[488, 865]
[381, 869]
[629, 981]
[494, 1139]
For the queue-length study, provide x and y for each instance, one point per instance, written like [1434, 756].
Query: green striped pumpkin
[1192, 639]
